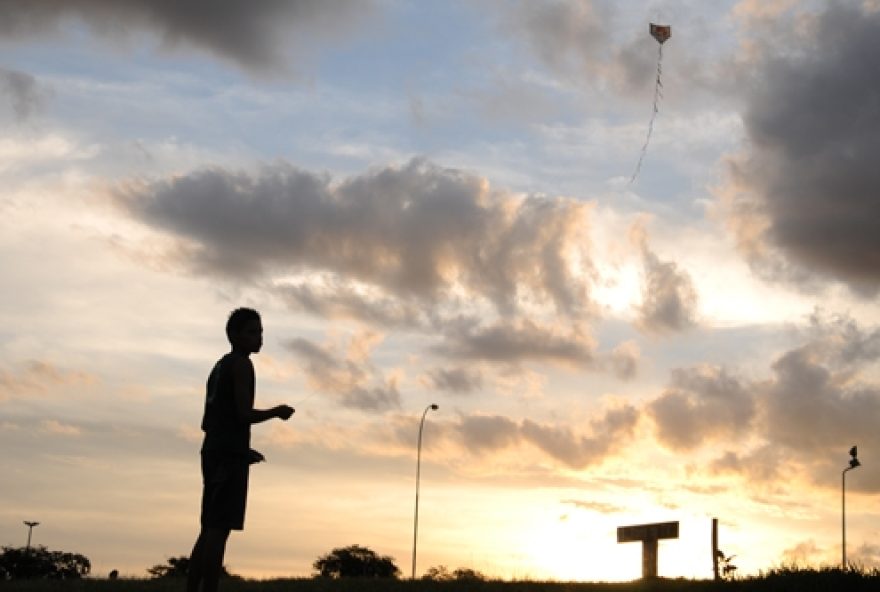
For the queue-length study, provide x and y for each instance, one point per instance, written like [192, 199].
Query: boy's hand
[255, 456]
[284, 412]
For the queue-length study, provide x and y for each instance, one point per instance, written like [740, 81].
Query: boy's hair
[238, 318]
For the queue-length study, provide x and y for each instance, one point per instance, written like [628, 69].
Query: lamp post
[30, 526]
[853, 463]
[418, 474]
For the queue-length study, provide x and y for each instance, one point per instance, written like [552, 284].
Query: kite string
[658, 94]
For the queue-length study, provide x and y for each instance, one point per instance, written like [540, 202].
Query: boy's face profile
[250, 338]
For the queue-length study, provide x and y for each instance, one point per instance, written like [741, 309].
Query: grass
[783, 579]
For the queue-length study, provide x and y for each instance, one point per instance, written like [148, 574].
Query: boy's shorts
[224, 492]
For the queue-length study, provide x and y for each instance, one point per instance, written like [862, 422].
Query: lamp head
[434, 407]
[854, 462]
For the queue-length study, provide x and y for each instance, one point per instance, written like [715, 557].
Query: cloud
[483, 434]
[53, 426]
[568, 36]
[803, 554]
[252, 35]
[517, 341]
[39, 377]
[336, 298]
[866, 555]
[669, 299]
[348, 376]
[417, 233]
[801, 199]
[600, 507]
[580, 451]
[597, 44]
[624, 360]
[812, 408]
[24, 94]
[458, 380]
[575, 40]
[480, 433]
[702, 403]
[762, 465]
[818, 399]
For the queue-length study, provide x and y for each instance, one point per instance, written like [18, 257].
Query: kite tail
[658, 94]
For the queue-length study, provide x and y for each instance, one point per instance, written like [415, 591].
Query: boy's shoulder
[239, 362]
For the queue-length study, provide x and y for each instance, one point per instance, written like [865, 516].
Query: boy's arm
[242, 390]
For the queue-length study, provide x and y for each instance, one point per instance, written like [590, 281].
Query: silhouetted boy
[226, 451]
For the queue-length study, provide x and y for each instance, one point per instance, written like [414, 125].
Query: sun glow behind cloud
[440, 218]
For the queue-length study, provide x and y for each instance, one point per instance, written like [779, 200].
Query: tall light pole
[853, 463]
[418, 474]
[30, 526]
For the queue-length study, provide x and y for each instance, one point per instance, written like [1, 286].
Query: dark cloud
[578, 452]
[702, 404]
[811, 408]
[522, 340]
[347, 376]
[594, 43]
[819, 399]
[253, 35]
[458, 380]
[624, 360]
[415, 233]
[803, 198]
[766, 464]
[488, 433]
[481, 433]
[569, 36]
[669, 299]
[24, 94]
[337, 298]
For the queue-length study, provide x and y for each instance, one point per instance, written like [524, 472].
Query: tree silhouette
[40, 562]
[177, 567]
[355, 561]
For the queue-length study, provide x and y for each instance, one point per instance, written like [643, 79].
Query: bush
[355, 561]
[40, 562]
[178, 567]
[441, 573]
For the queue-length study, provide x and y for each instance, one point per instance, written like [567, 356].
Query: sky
[434, 203]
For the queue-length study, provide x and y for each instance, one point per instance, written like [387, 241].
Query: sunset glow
[430, 202]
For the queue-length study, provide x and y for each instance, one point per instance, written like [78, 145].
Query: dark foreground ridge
[777, 580]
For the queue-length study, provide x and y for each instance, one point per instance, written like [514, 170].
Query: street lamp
[853, 463]
[418, 473]
[30, 526]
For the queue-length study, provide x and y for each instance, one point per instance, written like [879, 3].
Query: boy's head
[244, 329]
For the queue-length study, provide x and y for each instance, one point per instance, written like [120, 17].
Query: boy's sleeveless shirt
[224, 432]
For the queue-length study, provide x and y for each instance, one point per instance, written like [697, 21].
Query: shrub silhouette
[40, 562]
[177, 567]
[355, 561]
[441, 573]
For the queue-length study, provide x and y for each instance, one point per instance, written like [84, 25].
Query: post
[853, 464]
[649, 535]
[715, 549]
[30, 526]
[649, 558]
[843, 518]
[418, 474]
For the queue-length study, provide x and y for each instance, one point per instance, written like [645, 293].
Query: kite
[661, 33]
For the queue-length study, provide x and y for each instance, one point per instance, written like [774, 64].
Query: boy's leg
[213, 541]
[194, 572]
